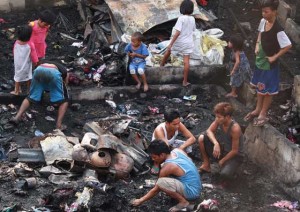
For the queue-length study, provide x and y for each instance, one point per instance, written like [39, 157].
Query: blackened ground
[252, 190]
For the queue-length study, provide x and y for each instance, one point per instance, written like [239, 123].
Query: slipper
[187, 84]
[14, 93]
[178, 207]
[154, 170]
[231, 96]
[259, 122]
[203, 171]
[249, 117]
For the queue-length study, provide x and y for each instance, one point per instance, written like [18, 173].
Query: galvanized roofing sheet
[142, 15]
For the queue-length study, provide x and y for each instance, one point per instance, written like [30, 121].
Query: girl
[239, 65]
[40, 30]
[24, 56]
[182, 40]
[272, 43]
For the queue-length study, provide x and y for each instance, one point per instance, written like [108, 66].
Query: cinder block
[293, 30]
[284, 12]
[4, 5]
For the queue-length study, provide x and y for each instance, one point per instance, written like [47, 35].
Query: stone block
[293, 30]
[284, 12]
[247, 95]
[272, 151]
[17, 4]
[296, 91]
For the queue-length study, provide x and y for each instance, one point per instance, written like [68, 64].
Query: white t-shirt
[184, 43]
[282, 38]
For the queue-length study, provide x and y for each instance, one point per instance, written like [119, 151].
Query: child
[40, 30]
[137, 51]
[182, 40]
[239, 65]
[272, 43]
[24, 56]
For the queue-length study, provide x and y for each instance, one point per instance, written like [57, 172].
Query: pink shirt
[38, 38]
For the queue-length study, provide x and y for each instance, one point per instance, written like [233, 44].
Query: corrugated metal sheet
[142, 15]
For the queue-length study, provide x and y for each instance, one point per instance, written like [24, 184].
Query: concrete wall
[268, 148]
[9, 5]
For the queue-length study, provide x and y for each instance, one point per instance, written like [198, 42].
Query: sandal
[259, 122]
[154, 170]
[203, 171]
[249, 117]
[189, 207]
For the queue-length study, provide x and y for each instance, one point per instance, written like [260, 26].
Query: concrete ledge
[125, 92]
[212, 74]
[269, 149]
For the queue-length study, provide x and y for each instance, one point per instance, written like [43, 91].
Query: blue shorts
[266, 81]
[47, 79]
[137, 68]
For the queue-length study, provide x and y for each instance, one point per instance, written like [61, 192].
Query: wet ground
[252, 190]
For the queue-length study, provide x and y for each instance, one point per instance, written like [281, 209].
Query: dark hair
[170, 115]
[223, 108]
[237, 42]
[187, 7]
[24, 33]
[158, 147]
[273, 4]
[47, 16]
[137, 35]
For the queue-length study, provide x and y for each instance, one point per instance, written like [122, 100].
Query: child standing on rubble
[182, 41]
[40, 30]
[24, 56]
[239, 66]
[272, 42]
[137, 51]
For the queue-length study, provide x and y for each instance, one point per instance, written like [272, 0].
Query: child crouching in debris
[239, 66]
[182, 41]
[24, 56]
[48, 76]
[178, 177]
[137, 51]
[40, 30]
[168, 131]
[223, 140]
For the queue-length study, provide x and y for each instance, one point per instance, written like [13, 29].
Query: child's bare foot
[15, 93]
[146, 87]
[231, 95]
[204, 169]
[138, 86]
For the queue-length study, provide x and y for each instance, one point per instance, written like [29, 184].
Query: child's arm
[257, 43]
[237, 62]
[144, 53]
[177, 33]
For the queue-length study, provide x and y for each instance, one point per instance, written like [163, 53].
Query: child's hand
[231, 73]
[132, 54]
[272, 59]
[256, 49]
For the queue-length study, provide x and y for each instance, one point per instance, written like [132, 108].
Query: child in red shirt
[40, 30]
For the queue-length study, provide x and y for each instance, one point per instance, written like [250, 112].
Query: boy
[227, 147]
[137, 51]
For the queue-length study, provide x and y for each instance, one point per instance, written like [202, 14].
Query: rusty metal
[100, 158]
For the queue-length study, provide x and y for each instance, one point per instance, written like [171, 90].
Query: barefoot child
[40, 30]
[24, 56]
[272, 43]
[137, 51]
[182, 41]
[239, 65]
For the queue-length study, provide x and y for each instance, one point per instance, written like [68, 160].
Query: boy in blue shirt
[137, 52]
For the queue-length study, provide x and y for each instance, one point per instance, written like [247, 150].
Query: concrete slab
[272, 151]
[210, 74]
[284, 12]
[293, 30]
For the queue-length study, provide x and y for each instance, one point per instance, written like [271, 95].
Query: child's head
[223, 111]
[24, 33]
[136, 39]
[236, 42]
[46, 18]
[269, 8]
[187, 7]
